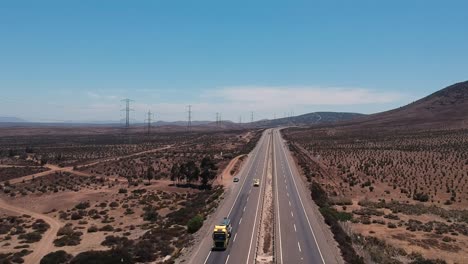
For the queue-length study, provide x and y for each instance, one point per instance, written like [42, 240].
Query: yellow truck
[222, 234]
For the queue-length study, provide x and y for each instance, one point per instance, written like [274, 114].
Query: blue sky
[75, 60]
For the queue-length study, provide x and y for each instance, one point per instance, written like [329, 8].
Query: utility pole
[217, 119]
[149, 121]
[251, 117]
[189, 123]
[240, 120]
[127, 111]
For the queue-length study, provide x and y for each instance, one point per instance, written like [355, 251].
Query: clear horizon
[64, 61]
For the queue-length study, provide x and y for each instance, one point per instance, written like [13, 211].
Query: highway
[297, 242]
[298, 235]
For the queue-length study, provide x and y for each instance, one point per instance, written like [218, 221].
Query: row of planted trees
[189, 173]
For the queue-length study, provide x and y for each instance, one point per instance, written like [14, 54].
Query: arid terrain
[111, 197]
[399, 192]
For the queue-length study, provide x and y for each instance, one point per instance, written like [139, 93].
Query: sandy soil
[53, 168]
[55, 207]
[126, 156]
[226, 176]
[46, 244]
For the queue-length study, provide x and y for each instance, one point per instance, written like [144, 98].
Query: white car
[256, 182]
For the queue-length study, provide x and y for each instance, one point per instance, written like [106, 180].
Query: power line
[189, 123]
[127, 111]
[149, 116]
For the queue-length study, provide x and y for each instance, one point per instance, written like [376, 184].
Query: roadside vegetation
[399, 190]
[135, 198]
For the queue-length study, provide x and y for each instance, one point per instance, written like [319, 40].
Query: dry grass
[407, 188]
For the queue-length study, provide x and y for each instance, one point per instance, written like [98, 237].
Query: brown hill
[447, 108]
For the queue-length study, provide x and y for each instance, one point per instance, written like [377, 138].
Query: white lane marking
[289, 203]
[240, 221]
[252, 161]
[287, 194]
[295, 230]
[258, 203]
[244, 209]
[245, 179]
[227, 260]
[235, 236]
[248, 198]
[298, 245]
[209, 253]
[286, 186]
[303, 208]
[292, 214]
[279, 217]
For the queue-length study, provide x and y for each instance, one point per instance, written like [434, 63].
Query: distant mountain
[180, 123]
[309, 119]
[10, 119]
[447, 108]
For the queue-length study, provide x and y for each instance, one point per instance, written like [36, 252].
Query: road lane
[299, 230]
[244, 212]
[297, 236]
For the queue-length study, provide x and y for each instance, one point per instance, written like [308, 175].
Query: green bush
[82, 205]
[92, 229]
[107, 228]
[194, 224]
[150, 214]
[319, 195]
[118, 255]
[31, 237]
[332, 212]
[57, 257]
[422, 197]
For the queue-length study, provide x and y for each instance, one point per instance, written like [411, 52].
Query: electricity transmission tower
[148, 119]
[189, 123]
[127, 111]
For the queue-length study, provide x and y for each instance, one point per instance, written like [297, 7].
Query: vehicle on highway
[236, 179]
[221, 234]
[256, 182]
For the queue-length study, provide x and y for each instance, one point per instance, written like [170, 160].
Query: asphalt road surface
[299, 236]
[297, 242]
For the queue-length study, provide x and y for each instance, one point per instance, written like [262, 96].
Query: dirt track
[46, 244]
[55, 168]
